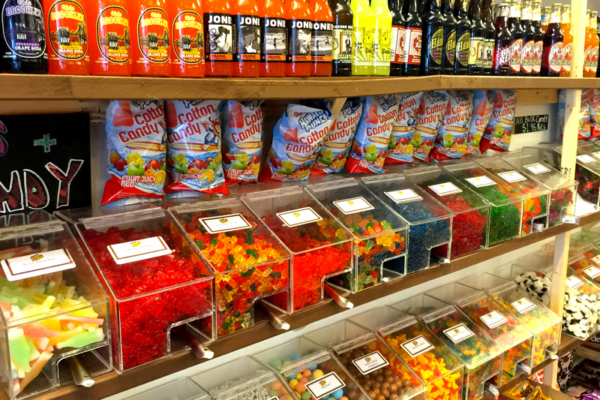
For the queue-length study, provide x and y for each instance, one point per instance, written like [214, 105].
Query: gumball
[293, 383]
[338, 394]
[276, 385]
[305, 395]
[299, 376]
[276, 364]
[307, 372]
[273, 393]
[312, 367]
[303, 380]
[300, 388]
[296, 356]
[317, 373]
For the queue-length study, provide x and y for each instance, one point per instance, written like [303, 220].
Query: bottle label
[342, 44]
[67, 30]
[502, 59]
[594, 60]
[363, 46]
[112, 32]
[476, 50]
[398, 40]
[587, 59]
[566, 53]
[321, 42]
[274, 40]
[437, 46]
[555, 57]
[412, 53]
[153, 35]
[463, 48]
[247, 42]
[218, 33]
[516, 49]
[188, 37]
[23, 28]
[526, 13]
[382, 45]
[300, 38]
[515, 11]
[537, 14]
[527, 57]
[538, 50]
[488, 53]
[451, 48]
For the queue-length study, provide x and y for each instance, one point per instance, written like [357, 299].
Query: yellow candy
[293, 383]
[299, 376]
[317, 373]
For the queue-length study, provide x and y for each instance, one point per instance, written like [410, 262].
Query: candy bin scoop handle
[274, 319]
[80, 375]
[200, 350]
[339, 299]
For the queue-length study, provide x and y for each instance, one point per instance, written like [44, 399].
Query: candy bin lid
[422, 351]
[238, 248]
[539, 171]
[320, 247]
[20, 219]
[546, 152]
[379, 234]
[301, 359]
[366, 356]
[53, 306]
[587, 236]
[180, 389]
[430, 223]
[242, 379]
[148, 267]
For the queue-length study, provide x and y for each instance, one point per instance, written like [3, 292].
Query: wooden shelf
[111, 383]
[59, 87]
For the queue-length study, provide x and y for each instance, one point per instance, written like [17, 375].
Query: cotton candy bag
[429, 121]
[584, 115]
[451, 140]
[594, 113]
[483, 106]
[499, 131]
[403, 129]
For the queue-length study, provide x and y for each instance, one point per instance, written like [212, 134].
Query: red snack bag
[429, 121]
[451, 140]
[483, 105]
[594, 112]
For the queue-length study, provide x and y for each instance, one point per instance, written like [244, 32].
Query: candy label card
[403, 196]
[370, 362]
[300, 216]
[416, 346]
[18, 268]
[481, 181]
[574, 282]
[512, 176]
[225, 223]
[325, 385]
[523, 305]
[142, 249]
[458, 333]
[493, 319]
[445, 189]
[596, 154]
[596, 259]
[537, 168]
[592, 271]
[351, 206]
[586, 159]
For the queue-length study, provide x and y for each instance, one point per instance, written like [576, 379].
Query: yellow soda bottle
[382, 40]
[363, 27]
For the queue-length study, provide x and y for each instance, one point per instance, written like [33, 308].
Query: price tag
[351, 206]
[300, 216]
[574, 282]
[37, 264]
[481, 181]
[523, 305]
[225, 223]
[458, 333]
[586, 159]
[592, 271]
[142, 249]
[325, 385]
[370, 362]
[569, 219]
[493, 319]
[512, 176]
[537, 168]
[596, 154]
[445, 189]
[596, 259]
[403, 196]
[416, 346]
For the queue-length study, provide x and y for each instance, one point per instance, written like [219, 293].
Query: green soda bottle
[363, 27]
[382, 40]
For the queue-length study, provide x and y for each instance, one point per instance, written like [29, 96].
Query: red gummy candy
[236, 116]
[122, 116]
[372, 115]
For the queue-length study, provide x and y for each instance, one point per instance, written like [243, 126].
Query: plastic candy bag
[562, 104]
[585, 130]
[500, 128]
[136, 141]
[370, 145]
[483, 105]
[403, 129]
[243, 138]
[594, 112]
[451, 140]
[334, 150]
[297, 138]
[194, 152]
[429, 121]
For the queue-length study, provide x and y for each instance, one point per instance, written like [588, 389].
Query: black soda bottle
[413, 39]
[516, 46]
[553, 44]
[476, 54]
[527, 54]
[433, 40]
[449, 49]
[489, 37]
[398, 38]
[463, 37]
[598, 33]
[503, 40]
[342, 38]
[538, 47]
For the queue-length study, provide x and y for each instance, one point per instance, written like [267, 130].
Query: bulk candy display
[247, 261]
[155, 278]
[429, 121]
[499, 131]
[453, 136]
[400, 151]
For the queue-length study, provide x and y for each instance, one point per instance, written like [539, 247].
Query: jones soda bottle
[398, 37]
[246, 42]
[503, 42]
[342, 38]
[489, 36]
[362, 34]
[463, 38]
[595, 43]
[187, 35]
[553, 44]
[476, 53]
[274, 42]
[545, 17]
[528, 38]
[538, 47]
[514, 25]
[218, 36]
[322, 39]
[299, 31]
[433, 40]
[383, 37]
[449, 49]
[151, 52]
[413, 40]
[565, 29]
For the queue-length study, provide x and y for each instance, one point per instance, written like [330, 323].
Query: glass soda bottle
[503, 41]
[433, 39]
[538, 47]
[449, 49]
[565, 29]
[187, 36]
[218, 36]
[109, 36]
[322, 38]
[489, 37]
[545, 17]
[398, 37]
[553, 44]
[66, 35]
[598, 34]
[476, 53]
[382, 40]
[463, 37]
[246, 38]
[342, 38]
[514, 25]
[299, 31]
[363, 26]
[413, 40]
[595, 43]
[151, 52]
[528, 38]
[587, 46]
[274, 44]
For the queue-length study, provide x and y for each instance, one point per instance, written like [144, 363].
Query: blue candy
[338, 394]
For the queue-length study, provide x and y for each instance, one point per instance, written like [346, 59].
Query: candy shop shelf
[59, 87]
[111, 383]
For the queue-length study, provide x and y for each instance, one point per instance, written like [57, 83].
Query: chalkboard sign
[531, 123]
[44, 162]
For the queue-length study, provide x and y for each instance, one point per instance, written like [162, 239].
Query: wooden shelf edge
[112, 383]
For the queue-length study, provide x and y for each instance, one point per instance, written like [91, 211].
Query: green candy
[20, 351]
[83, 339]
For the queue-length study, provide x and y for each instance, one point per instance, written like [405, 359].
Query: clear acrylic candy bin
[536, 196]
[440, 370]
[243, 379]
[180, 389]
[366, 357]
[155, 279]
[495, 321]
[563, 189]
[301, 359]
[320, 247]
[430, 224]
[471, 213]
[379, 234]
[53, 309]
[506, 214]
[481, 356]
[248, 262]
